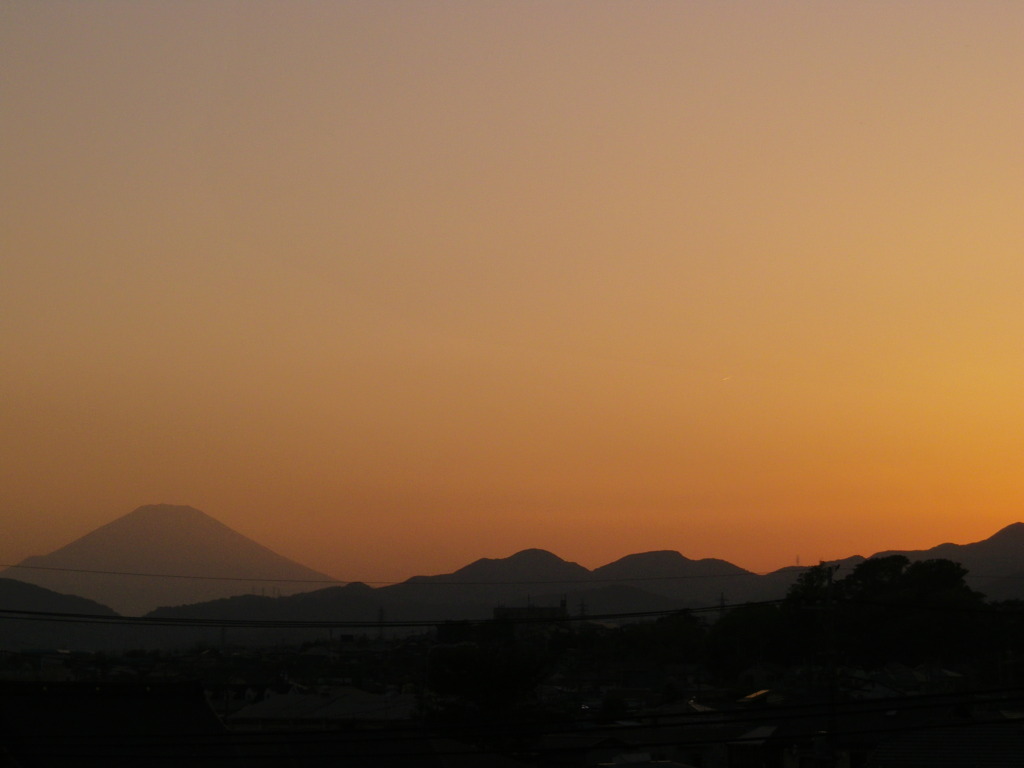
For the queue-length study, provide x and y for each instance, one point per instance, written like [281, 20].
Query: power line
[249, 579]
[421, 581]
[174, 621]
[169, 621]
[414, 581]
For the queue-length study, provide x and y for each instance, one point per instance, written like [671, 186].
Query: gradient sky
[389, 286]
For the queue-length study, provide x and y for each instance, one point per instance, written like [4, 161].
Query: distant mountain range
[244, 580]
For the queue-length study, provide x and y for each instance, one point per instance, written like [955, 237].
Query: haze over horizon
[392, 286]
[175, 542]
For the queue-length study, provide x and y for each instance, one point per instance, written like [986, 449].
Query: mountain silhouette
[244, 580]
[27, 633]
[665, 563]
[995, 566]
[531, 564]
[531, 575]
[662, 580]
[195, 558]
[20, 596]
[671, 574]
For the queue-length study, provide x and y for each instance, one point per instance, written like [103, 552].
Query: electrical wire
[414, 581]
[420, 581]
[174, 621]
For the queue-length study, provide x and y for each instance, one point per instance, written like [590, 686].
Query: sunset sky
[390, 286]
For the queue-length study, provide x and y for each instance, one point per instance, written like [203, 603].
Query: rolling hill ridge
[208, 567]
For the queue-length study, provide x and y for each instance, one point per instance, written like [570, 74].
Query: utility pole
[833, 671]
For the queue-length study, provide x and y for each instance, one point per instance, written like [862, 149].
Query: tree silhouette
[886, 609]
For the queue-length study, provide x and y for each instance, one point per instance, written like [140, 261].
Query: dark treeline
[886, 611]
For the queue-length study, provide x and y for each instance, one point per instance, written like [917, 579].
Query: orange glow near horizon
[391, 287]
